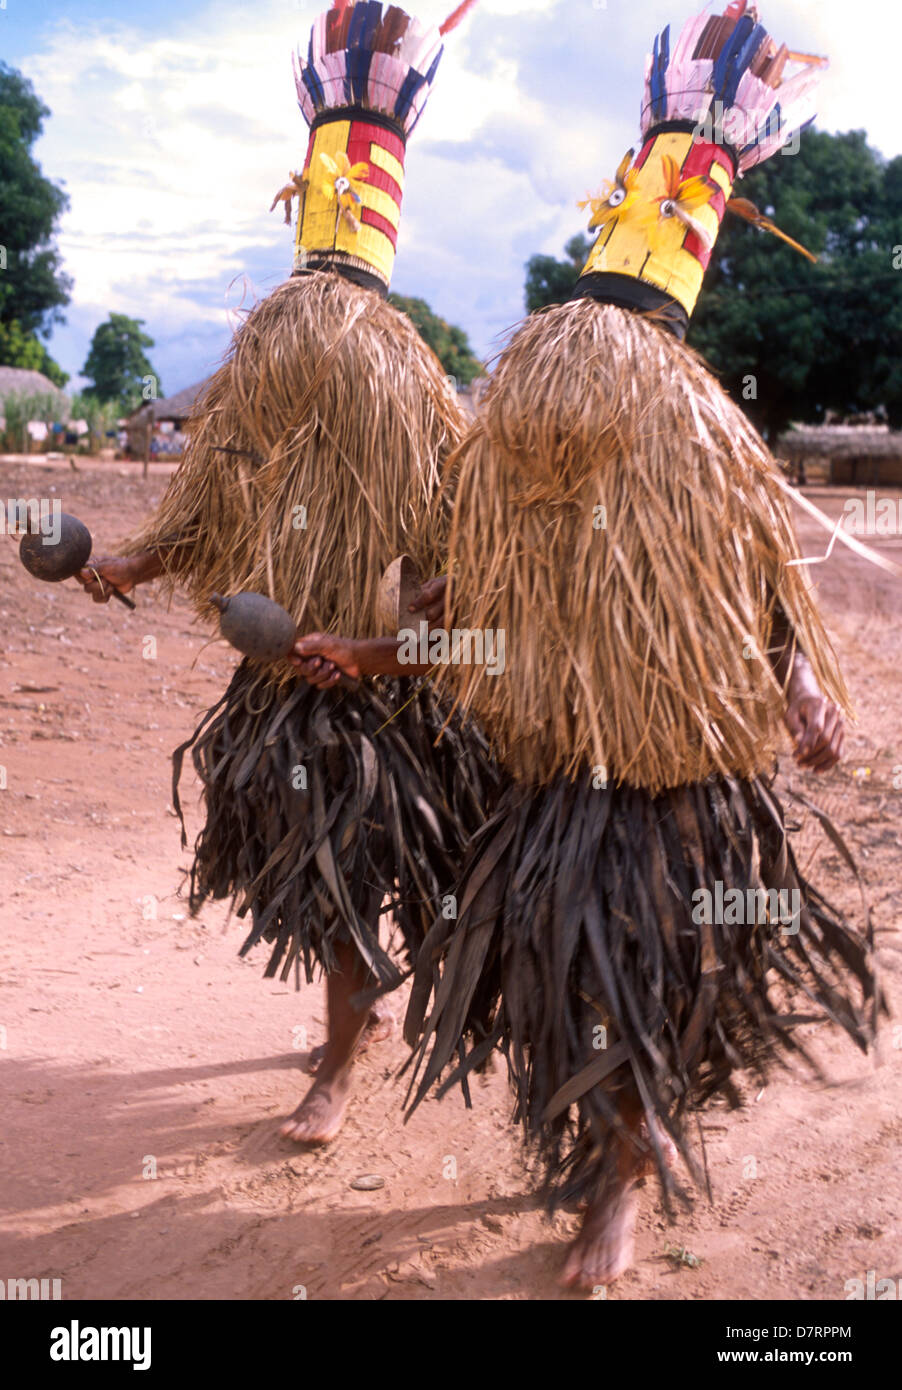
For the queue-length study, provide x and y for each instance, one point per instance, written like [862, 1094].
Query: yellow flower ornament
[341, 185]
[682, 199]
[616, 198]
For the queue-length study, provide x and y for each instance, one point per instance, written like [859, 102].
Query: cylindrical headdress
[362, 88]
[724, 99]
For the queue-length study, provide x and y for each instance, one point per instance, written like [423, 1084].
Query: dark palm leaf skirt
[581, 950]
[321, 805]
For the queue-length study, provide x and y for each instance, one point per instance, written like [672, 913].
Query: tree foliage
[819, 337]
[449, 343]
[33, 286]
[788, 339]
[18, 349]
[117, 365]
[549, 281]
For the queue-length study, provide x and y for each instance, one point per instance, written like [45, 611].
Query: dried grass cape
[655, 627]
[640, 717]
[329, 401]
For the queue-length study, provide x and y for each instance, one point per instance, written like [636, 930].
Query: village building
[865, 455]
[156, 430]
[46, 405]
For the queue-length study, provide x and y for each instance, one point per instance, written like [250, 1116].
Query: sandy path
[137, 1043]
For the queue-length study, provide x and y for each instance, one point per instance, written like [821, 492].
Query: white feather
[415, 51]
[333, 70]
[419, 46]
[755, 98]
[686, 43]
[318, 38]
[378, 86]
[691, 99]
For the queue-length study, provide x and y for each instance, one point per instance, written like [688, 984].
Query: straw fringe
[639, 649]
[330, 401]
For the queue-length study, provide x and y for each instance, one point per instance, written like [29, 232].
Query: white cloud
[173, 141]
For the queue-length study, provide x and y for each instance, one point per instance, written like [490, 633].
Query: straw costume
[312, 462]
[620, 519]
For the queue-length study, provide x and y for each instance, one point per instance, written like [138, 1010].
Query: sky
[174, 122]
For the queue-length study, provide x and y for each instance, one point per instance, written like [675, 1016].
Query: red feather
[454, 18]
[340, 4]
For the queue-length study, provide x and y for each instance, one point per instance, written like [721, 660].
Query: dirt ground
[146, 1068]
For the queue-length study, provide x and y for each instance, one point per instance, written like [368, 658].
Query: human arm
[815, 724]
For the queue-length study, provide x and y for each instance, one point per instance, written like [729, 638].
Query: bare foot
[321, 1113]
[603, 1250]
[319, 1116]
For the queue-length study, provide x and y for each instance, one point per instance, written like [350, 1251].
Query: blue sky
[175, 121]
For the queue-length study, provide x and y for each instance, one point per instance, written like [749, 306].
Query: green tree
[117, 366]
[18, 349]
[788, 339]
[549, 281]
[449, 343]
[33, 286]
[791, 340]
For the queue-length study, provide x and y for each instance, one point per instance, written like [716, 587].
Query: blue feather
[433, 67]
[721, 75]
[409, 88]
[312, 82]
[365, 20]
[373, 20]
[740, 66]
[429, 79]
[660, 61]
[357, 26]
[359, 60]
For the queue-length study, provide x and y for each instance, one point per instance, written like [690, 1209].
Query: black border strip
[364, 278]
[359, 113]
[625, 292]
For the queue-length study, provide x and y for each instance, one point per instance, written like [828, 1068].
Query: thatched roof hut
[22, 381]
[176, 408]
[852, 455]
[160, 420]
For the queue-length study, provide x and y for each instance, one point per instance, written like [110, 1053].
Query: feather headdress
[380, 60]
[728, 75]
[722, 100]
[362, 88]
